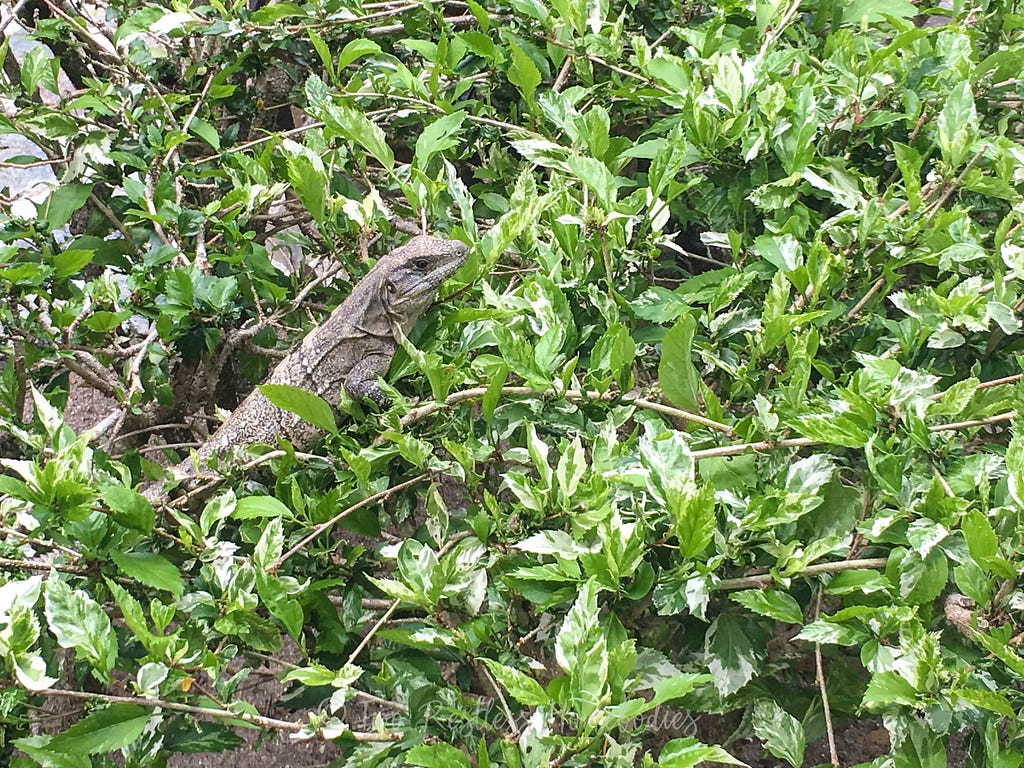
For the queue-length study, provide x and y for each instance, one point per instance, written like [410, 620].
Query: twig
[14, 14]
[608, 65]
[764, 579]
[421, 412]
[878, 285]
[134, 385]
[107, 211]
[501, 698]
[40, 542]
[37, 565]
[820, 674]
[771, 34]
[373, 630]
[949, 189]
[261, 720]
[345, 513]
[763, 445]
[954, 425]
[257, 142]
[454, 21]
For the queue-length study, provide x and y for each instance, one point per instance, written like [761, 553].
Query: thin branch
[38, 565]
[261, 720]
[999, 417]
[134, 385]
[949, 189]
[763, 445]
[345, 513]
[820, 674]
[421, 412]
[373, 631]
[501, 698]
[257, 142]
[766, 579]
[878, 285]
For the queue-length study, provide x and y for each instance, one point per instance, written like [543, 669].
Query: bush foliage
[717, 418]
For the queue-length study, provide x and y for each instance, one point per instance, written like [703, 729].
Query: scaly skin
[350, 349]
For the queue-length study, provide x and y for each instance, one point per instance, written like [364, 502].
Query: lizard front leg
[361, 381]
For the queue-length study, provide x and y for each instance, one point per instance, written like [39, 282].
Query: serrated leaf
[63, 202]
[260, 506]
[130, 508]
[437, 756]
[595, 175]
[520, 686]
[150, 569]
[205, 131]
[771, 603]
[355, 49]
[523, 73]
[735, 652]
[310, 185]
[677, 374]
[79, 622]
[688, 752]
[782, 734]
[104, 730]
[438, 137]
[887, 689]
[306, 405]
[990, 700]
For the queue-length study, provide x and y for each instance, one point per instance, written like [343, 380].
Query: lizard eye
[421, 264]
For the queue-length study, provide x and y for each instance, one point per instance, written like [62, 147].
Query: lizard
[350, 349]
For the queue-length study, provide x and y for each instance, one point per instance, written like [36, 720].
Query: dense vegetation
[718, 418]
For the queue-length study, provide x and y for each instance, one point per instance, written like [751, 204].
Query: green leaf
[79, 622]
[688, 752]
[521, 687]
[306, 405]
[772, 603]
[104, 730]
[39, 67]
[274, 595]
[151, 569]
[981, 539]
[677, 374]
[523, 73]
[923, 579]
[270, 546]
[438, 137]
[692, 514]
[268, 14]
[595, 175]
[310, 185]
[990, 700]
[205, 131]
[344, 120]
[129, 508]
[735, 651]
[782, 734]
[260, 506]
[958, 125]
[71, 262]
[63, 202]
[782, 251]
[355, 126]
[355, 49]
[437, 756]
[886, 690]
[874, 11]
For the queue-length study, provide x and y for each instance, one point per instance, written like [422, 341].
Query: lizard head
[412, 274]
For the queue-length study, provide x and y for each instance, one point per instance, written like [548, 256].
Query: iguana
[350, 349]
